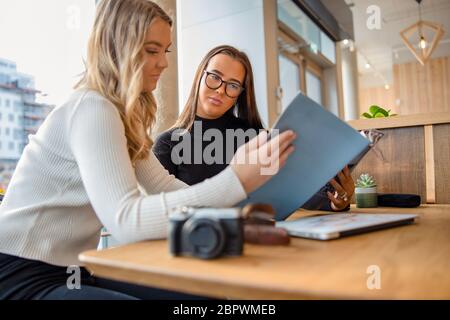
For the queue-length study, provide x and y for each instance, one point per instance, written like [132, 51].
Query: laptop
[337, 225]
[325, 145]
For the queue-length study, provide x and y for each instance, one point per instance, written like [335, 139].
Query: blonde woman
[82, 168]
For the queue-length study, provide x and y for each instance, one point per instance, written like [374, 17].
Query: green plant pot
[366, 197]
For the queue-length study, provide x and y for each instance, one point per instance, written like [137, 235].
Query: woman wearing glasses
[218, 101]
[222, 98]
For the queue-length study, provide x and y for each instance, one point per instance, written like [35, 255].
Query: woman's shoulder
[93, 97]
[168, 137]
[239, 123]
[87, 107]
[90, 101]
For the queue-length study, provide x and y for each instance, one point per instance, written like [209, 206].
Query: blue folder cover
[324, 146]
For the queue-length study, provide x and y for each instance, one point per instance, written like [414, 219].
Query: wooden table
[414, 262]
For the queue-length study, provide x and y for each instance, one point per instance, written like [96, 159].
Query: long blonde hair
[114, 66]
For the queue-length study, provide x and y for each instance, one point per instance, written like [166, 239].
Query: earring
[236, 109]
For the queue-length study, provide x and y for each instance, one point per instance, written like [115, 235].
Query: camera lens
[205, 236]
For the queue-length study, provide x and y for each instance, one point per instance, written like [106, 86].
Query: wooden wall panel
[379, 96]
[423, 89]
[401, 168]
[430, 164]
[420, 89]
[441, 135]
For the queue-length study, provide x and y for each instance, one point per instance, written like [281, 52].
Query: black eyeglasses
[213, 81]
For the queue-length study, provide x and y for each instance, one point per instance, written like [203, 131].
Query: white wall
[350, 83]
[331, 99]
[204, 24]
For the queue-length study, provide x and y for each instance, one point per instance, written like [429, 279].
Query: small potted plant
[378, 112]
[366, 192]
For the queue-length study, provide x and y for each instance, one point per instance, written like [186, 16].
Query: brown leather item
[265, 234]
[259, 214]
[259, 226]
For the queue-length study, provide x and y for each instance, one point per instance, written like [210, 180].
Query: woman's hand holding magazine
[257, 161]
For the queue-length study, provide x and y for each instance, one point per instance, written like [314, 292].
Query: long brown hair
[114, 66]
[246, 108]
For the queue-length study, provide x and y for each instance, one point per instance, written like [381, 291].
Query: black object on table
[399, 200]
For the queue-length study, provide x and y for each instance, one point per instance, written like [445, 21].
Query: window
[302, 41]
[291, 15]
[0, 145]
[17, 106]
[314, 87]
[289, 80]
[21, 147]
[17, 134]
[20, 120]
[58, 31]
[66, 25]
[328, 47]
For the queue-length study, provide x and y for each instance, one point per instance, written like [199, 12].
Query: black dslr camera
[206, 233]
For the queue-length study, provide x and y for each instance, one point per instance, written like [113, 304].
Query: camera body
[206, 233]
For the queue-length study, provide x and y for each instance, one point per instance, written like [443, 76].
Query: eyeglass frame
[221, 83]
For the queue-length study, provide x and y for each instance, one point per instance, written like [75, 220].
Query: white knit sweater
[75, 176]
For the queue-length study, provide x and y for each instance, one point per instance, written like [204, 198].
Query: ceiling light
[396, 55]
[425, 48]
[352, 48]
[423, 44]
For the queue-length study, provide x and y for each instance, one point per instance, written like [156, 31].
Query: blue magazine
[324, 146]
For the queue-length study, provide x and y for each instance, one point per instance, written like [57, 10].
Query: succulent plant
[365, 181]
[377, 112]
